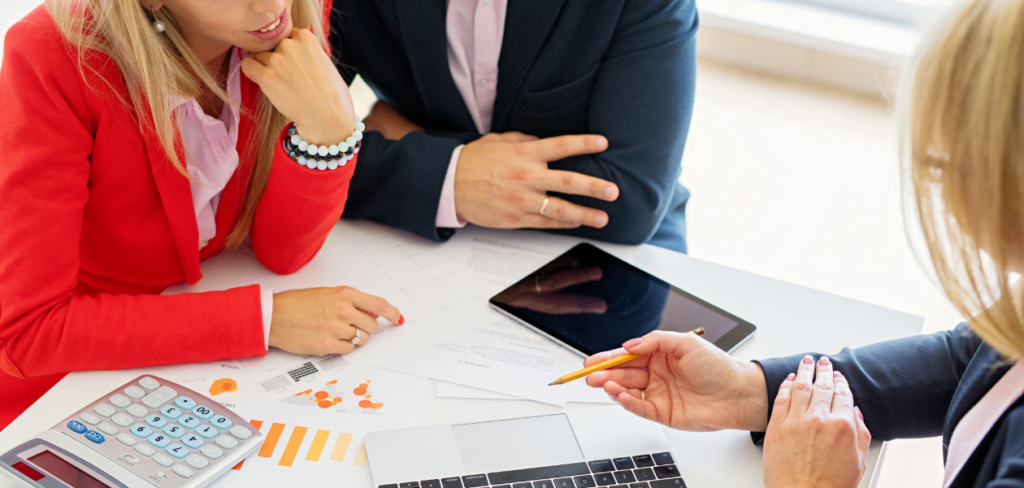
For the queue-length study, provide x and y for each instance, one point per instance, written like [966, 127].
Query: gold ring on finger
[643, 395]
[355, 340]
[544, 206]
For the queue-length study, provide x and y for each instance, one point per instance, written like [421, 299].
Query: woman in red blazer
[97, 217]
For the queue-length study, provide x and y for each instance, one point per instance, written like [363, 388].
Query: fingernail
[838, 374]
[600, 220]
[609, 192]
[808, 360]
[791, 377]
[614, 398]
[632, 342]
[835, 374]
[401, 320]
[823, 361]
[859, 414]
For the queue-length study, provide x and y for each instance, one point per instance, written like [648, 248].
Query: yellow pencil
[603, 365]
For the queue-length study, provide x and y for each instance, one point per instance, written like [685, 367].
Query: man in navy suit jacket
[621, 69]
[922, 386]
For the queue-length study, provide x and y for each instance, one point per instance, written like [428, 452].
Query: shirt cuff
[267, 304]
[446, 216]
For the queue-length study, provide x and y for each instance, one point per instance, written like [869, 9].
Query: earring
[158, 25]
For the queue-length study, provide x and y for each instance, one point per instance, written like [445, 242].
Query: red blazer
[95, 222]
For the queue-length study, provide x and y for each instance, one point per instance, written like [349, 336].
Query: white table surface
[791, 319]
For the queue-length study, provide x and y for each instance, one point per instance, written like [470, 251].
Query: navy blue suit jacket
[623, 69]
[922, 386]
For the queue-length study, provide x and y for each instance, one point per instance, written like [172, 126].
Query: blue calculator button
[156, 421]
[185, 403]
[193, 441]
[94, 436]
[177, 450]
[159, 440]
[77, 426]
[171, 412]
[174, 431]
[207, 432]
[189, 422]
[141, 431]
[203, 412]
[221, 422]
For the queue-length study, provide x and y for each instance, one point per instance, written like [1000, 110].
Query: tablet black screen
[593, 302]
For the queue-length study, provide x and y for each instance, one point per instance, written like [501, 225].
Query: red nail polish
[401, 320]
[808, 360]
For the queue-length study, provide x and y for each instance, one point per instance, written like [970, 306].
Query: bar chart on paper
[308, 455]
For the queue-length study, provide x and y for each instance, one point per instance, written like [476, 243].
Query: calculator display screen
[57, 467]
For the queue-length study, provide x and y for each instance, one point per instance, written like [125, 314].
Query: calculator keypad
[104, 410]
[156, 421]
[122, 420]
[162, 423]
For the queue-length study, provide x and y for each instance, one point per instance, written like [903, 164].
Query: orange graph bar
[341, 447]
[257, 424]
[271, 441]
[318, 445]
[360, 459]
[293, 446]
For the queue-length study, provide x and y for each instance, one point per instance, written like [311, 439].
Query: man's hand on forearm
[386, 120]
[502, 181]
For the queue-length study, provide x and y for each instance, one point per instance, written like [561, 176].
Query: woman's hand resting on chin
[303, 84]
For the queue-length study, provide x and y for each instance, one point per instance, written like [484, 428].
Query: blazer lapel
[424, 37]
[527, 24]
[176, 195]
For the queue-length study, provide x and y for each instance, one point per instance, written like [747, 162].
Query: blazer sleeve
[903, 387]
[642, 101]
[297, 210]
[46, 326]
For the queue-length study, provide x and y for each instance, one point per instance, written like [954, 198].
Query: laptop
[591, 448]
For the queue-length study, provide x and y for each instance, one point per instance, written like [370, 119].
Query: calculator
[148, 432]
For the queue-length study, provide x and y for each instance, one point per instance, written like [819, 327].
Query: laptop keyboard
[640, 471]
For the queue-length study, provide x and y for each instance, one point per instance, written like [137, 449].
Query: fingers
[630, 401]
[629, 378]
[515, 137]
[560, 303]
[570, 277]
[783, 401]
[563, 211]
[823, 393]
[377, 306]
[573, 183]
[640, 362]
[538, 221]
[368, 323]
[842, 398]
[802, 386]
[555, 148]
[863, 434]
[254, 69]
[666, 342]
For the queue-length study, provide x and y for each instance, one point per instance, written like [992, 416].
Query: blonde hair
[156, 66]
[964, 144]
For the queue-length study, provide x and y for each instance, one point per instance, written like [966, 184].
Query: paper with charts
[417, 276]
[314, 436]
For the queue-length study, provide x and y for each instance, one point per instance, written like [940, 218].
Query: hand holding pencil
[684, 382]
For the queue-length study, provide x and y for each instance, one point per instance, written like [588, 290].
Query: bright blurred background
[792, 158]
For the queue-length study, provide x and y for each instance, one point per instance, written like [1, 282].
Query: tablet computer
[592, 301]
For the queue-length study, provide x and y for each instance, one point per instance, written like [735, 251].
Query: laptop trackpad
[513, 444]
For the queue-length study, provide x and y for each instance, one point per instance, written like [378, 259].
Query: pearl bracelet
[323, 157]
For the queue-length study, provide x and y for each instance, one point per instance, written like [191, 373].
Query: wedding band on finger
[544, 206]
[355, 340]
[643, 395]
